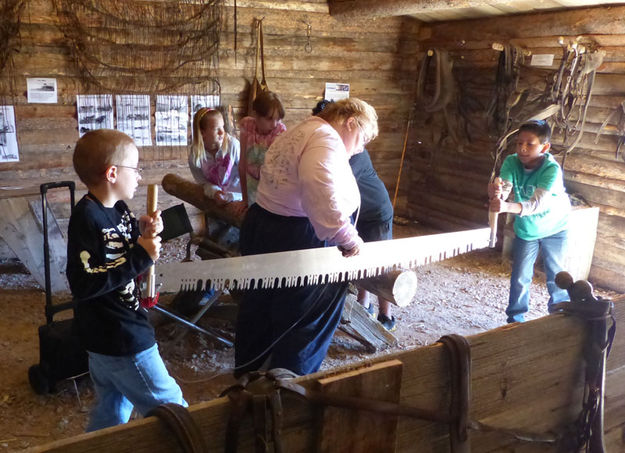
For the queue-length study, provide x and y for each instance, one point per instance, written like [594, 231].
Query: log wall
[450, 186]
[377, 57]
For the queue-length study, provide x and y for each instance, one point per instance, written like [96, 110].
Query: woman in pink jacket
[306, 196]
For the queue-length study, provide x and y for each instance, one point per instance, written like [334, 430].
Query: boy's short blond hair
[363, 113]
[96, 151]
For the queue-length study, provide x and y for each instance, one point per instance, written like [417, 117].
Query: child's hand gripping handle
[151, 207]
[493, 216]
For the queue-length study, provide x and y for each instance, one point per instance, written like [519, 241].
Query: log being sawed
[193, 194]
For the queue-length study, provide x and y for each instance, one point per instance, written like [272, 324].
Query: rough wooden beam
[356, 322]
[376, 8]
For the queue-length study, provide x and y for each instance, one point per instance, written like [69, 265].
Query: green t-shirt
[547, 176]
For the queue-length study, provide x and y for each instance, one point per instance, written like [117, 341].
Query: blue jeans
[122, 382]
[553, 249]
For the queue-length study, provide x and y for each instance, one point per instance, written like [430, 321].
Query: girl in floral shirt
[257, 133]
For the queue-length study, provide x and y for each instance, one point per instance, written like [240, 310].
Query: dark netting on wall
[134, 46]
[10, 17]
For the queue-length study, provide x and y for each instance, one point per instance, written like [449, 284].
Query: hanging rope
[10, 17]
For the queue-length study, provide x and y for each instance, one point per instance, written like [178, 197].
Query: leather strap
[181, 424]
[257, 25]
[460, 372]
[444, 89]
[263, 82]
[363, 404]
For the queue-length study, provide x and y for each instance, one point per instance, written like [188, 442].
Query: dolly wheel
[38, 381]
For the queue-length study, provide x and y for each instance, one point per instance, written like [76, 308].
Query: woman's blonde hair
[363, 113]
[198, 150]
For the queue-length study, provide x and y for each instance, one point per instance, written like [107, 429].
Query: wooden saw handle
[493, 217]
[151, 207]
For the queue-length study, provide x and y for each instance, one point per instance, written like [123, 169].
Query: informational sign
[542, 59]
[172, 118]
[95, 111]
[133, 117]
[336, 91]
[8, 136]
[41, 91]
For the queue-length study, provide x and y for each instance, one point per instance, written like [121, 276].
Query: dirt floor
[464, 295]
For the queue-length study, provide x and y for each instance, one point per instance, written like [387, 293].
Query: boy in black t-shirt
[107, 250]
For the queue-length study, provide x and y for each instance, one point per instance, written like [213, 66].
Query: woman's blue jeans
[553, 250]
[121, 382]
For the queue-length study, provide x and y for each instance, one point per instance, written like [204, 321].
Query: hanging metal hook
[308, 46]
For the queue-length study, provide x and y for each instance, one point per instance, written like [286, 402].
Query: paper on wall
[95, 111]
[133, 117]
[336, 91]
[8, 135]
[172, 118]
[41, 90]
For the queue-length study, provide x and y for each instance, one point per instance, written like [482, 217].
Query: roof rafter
[377, 8]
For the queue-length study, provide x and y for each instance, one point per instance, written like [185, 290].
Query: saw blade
[318, 265]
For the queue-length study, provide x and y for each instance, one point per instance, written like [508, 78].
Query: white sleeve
[196, 171]
[537, 204]
[323, 185]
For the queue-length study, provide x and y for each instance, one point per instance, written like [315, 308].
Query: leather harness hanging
[443, 98]
[179, 422]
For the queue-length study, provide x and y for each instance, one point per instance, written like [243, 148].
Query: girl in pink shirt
[257, 133]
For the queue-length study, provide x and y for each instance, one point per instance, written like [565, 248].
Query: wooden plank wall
[450, 186]
[526, 377]
[377, 57]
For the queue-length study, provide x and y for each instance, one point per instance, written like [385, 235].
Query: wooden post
[493, 217]
[349, 430]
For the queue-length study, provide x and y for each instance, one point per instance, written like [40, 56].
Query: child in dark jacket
[107, 250]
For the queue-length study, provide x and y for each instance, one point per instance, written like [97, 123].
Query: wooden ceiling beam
[377, 8]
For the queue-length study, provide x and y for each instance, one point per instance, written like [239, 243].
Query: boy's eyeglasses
[137, 170]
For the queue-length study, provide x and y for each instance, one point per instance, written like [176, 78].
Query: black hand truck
[61, 355]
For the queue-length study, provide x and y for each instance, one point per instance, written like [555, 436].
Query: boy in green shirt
[541, 206]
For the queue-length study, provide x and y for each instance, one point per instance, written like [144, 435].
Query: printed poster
[203, 100]
[133, 117]
[41, 91]
[95, 111]
[172, 119]
[336, 91]
[8, 135]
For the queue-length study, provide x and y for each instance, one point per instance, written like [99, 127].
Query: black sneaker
[388, 323]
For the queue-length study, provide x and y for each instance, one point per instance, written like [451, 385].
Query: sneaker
[388, 323]
[371, 311]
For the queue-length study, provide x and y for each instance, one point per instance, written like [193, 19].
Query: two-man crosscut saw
[318, 265]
